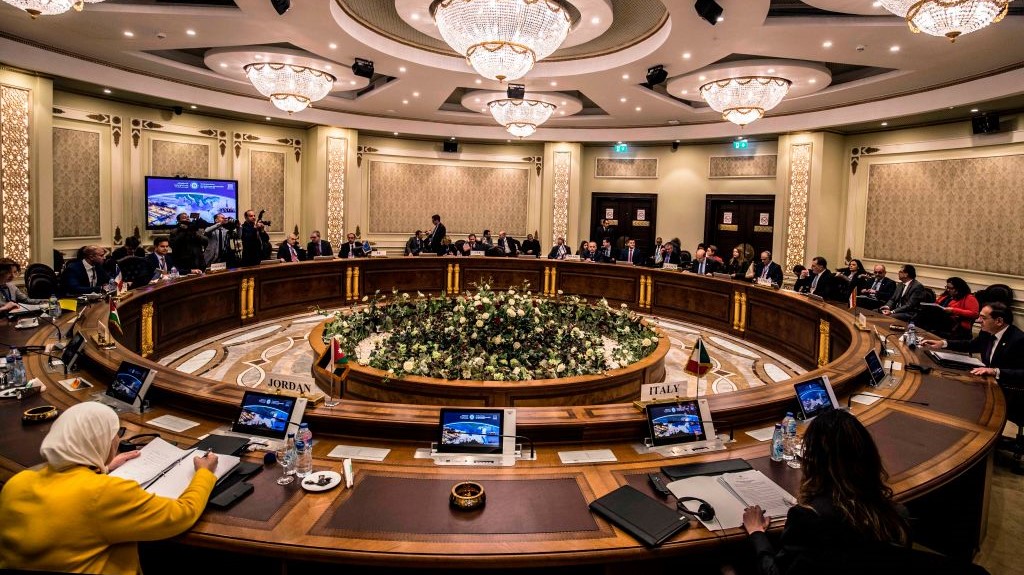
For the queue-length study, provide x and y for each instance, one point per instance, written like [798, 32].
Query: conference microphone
[732, 428]
[527, 439]
[849, 400]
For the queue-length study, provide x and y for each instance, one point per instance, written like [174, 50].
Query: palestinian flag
[114, 319]
[699, 362]
[338, 357]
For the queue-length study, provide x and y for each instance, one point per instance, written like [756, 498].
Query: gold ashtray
[467, 495]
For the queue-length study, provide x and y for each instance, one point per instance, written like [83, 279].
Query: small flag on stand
[114, 319]
[853, 297]
[338, 358]
[699, 362]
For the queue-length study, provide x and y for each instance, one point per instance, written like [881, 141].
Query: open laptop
[815, 396]
[266, 418]
[682, 426]
[128, 390]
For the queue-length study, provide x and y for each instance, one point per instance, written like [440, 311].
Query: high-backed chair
[995, 292]
[135, 271]
[1015, 413]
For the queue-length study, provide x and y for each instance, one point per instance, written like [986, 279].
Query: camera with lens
[259, 218]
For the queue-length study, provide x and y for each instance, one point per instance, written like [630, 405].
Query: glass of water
[286, 458]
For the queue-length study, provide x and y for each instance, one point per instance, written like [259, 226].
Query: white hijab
[81, 436]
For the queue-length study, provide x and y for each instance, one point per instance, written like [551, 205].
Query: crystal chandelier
[743, 100]
[36, 8]
[502, 39]
[520, 117]
[949, 18]
[290, 88]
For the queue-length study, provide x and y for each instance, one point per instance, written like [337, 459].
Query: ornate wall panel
[76, 183]
[14, 173]
[958, 213]
[403, 196]
[742, 166]
[337, 149]
[266, 184]
[180, 158]
[625, 168]
[560, 199]
[797, 192]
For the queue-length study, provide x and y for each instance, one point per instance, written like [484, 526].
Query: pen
[208, 451]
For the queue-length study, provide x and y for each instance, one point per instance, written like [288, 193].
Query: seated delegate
[70, 516]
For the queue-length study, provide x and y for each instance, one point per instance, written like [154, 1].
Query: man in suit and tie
[591, 253]
[767, 270]
[289, 250]
[86, 275]
[606, 254]
[472, 244]
[414, 246]
[504, 244]
[318, 247]
[531, 246]
[437, 235]
[909, 295]
[351, 248]
[822, 280]
[702, 264]
[879, 290]
[669, 255]
[631, 254]
[218, 243]
[161, 261]
[605, 230]
[1000, 345]
[559, 250]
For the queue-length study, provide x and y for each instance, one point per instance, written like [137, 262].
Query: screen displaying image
[814, 397]
[168, 197]
[264, 415]
[128, 382]
[465, 430]
[678, 422]
[875, 369]
[70, 354]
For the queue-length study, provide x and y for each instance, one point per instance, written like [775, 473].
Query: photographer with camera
[255, 240]
[219, 244]
[188, 242]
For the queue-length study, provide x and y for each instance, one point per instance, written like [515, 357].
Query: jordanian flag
[114, 319]
[699, 362]
[338, 357]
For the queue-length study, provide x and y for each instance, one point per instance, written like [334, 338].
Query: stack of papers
[166, 470]
[731, 493]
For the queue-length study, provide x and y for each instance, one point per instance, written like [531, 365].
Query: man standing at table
[437, 235]
[317, 247]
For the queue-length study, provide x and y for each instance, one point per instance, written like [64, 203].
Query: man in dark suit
[472, 244]
[255, 240]
[351, 249]
[531, 246]
[86, 275]
[669, 255]
[436, 236]
[505, 244]
[559, 250]
[414, 246]
[702, 264]
[823, 284]
[606, 253]
[879, 290]
[290, 251]
[605, 230]
[909, 295]
[631, 254]
[161, 261]
[590, 254]
[1000, 346]
[317, 247]
[767, 270]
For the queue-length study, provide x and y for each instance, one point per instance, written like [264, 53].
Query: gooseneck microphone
[849, 400]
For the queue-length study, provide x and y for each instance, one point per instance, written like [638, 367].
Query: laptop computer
[266, 418]
[815, 396]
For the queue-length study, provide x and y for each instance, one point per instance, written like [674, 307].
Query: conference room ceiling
[874, 69]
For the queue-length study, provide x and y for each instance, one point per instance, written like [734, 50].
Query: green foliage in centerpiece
[491, 335]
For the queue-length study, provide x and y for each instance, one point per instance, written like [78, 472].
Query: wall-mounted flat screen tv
[168, 197]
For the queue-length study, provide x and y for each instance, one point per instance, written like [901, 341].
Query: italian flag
[114, 319]
[699, 362]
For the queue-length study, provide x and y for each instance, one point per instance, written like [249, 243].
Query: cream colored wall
[681, 186]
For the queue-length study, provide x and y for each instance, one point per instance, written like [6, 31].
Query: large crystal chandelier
[519, 116]
[949, 18]
[290, 88]
[743, 100]
[37, 8]
[502, 39]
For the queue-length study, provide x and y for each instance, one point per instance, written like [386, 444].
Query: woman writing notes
[70, 516]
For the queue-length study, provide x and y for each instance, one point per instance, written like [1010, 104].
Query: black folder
[647, 519]
[675, 472]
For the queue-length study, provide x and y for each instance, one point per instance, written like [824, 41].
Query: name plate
[292, 385]
[573, 258]
[218, 267]
[477, 254]
[378, 254]
[322, 258]
[664, 390]
[670, 266]
[862, 322]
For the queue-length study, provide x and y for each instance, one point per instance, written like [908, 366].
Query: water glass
[286, 458]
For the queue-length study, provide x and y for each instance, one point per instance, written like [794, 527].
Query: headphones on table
[704, 512]
[136, 442]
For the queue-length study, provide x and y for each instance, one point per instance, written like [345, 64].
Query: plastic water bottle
[54, 307]
[778, 442]
[289, 467]
[788, 433]
[304, 451]
[17, 373]
[305, 434]
[911, 335]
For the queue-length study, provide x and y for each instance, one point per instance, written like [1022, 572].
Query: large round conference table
[536, 514]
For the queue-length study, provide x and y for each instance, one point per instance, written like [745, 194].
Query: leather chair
[993, 293]
[135, 271]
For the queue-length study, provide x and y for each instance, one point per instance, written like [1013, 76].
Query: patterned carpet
[245, 356]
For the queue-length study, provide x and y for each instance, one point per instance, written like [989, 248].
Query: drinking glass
[285, 457]
[797, 449]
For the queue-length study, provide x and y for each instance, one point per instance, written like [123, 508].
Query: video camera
[259, 218]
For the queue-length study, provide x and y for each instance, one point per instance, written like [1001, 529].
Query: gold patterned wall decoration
[76, 182]
[266, 186]
[15, 104]
[337, 149]
[404, 195]
[560, 196]
[626, 168]
[742, 166]
[180, 159]
[956, 213]
[797, 191]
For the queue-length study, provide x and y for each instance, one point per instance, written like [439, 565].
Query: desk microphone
[732, 428]
[849, 400]
[527, 439]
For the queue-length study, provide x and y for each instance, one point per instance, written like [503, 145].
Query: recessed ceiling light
[476, 99]
[562, 113]
[402, 69]
[638, 108]
[415, 16]
[267, 118]
[106, 90]
[826, 44]
[394, 133]
[190, 32]
[452, 138]
[622, 100]
[620, 141]
[677, 141]
[595, 20]
[721, 18]
[685, 91]
[894, 48]
[129, 33]
[332, 46]
[876, 4]
[625, 76]
[193, 106]
[739, 137]
[702, 78]
[974, 110]
[328, 67]
[223, 64]
[686, 55]
[415, 94]
[563, 102]
[771, 70]
[352, 82]
[479, 81]
[885, 123]
[405, 101]
[258, 56]
[554, 83]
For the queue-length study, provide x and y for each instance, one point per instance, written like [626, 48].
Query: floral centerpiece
[509, 335]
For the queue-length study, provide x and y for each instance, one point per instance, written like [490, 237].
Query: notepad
[173, 423]
[587, 456]
[731, 493]
[356, 452]
[165, 470]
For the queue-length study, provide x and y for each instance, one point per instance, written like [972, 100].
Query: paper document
[165, 470]
[356, 452]
[731, 493]
[587, 456]
[762, 434]
[173, 423]
[865, 398]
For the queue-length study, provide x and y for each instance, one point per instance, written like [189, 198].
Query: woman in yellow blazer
[71, 516]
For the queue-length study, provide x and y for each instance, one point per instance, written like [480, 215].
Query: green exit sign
[621, 148]
[739, 144]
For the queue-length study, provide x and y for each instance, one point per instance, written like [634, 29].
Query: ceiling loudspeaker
[675, 146]
[450, 146]
[516, 91]
[708, 10]
[656, 75]
[985, 124]
[281, 6]
[363, 68]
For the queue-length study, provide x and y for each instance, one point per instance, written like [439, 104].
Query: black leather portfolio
[647, 519]
[675, 472]
[226, 444]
